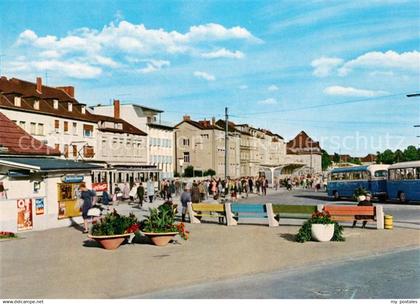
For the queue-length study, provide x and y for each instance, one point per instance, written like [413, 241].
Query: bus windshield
[381, 173]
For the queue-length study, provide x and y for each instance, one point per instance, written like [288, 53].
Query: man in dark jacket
[140, 194]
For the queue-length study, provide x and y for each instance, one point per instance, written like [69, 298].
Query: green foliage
[113, 224]
[305, 234]
[189, 171]
[176, 174]
[336, 158]
[411, 153]
[161, 219]
[360, 191]
[326, 161]
[209, 172]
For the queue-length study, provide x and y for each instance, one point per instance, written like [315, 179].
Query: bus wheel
[402, 197]
[336, 196]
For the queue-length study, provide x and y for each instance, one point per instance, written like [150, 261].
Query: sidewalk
[64, 263]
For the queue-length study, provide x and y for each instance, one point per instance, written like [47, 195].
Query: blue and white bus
[404, 181]
[344, 181]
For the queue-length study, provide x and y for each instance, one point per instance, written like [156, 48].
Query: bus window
[365, 175]
[357, 175]
[418, 173]
[381, 173]
[409, 173]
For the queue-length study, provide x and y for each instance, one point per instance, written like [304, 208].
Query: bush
[305, 234]
[113, 224]
[161, 219]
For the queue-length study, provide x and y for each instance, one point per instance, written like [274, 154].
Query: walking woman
[87, 196]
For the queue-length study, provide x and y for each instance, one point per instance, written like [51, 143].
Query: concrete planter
[110, 242]
[160, 239]
[322, 232]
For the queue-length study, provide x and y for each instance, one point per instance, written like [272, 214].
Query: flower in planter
[115, 224]
[182, 231]
[323, 217]
[7, 235]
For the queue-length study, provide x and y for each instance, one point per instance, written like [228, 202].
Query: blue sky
[337, 69]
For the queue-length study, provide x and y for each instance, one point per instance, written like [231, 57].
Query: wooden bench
[295, 211]
[196, 211]
[342, 213]
[256, 211]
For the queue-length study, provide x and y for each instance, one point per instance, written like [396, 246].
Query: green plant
[305, 234]
[209, 172]
[359, 192]
[7, 235]
[161, 219]
[114, 223]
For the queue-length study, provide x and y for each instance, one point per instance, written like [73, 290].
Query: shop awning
[46, 164]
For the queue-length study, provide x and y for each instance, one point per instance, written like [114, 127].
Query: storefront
[40, 193]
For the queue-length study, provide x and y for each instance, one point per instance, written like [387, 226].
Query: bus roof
[349, 169]
[410, 164]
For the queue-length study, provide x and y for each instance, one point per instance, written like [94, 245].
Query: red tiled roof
[9, 88]
[14, 140]
[303, 144]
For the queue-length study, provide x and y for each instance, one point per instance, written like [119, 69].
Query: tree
[399, 156]
[209, 172]
[325, 160]
[189, 171]
[336, 158]
[411, 154]
[387, 157]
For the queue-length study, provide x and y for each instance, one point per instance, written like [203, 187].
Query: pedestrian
[140, 194]
[250, 184]
[87, 196]
[126, 191]
[363, 201]
[150, 190]
[133, 193]
[172, 189]
[195, 194]
[185, 199]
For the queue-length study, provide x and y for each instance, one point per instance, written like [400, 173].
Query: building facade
[160, 136]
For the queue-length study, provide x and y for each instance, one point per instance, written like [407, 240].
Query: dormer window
[36, 104]
[83, 110]
[18, 101]
[55, 104]
[119, 126]
[70, 107]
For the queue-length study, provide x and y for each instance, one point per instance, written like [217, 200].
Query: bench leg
[270, 214]
[230, 221]
[379, 217]
[319, 208]
[192, 214]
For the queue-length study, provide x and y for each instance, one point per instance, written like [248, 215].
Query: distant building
[303, 149]
[160, 136]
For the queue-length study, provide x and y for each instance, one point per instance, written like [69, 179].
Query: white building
[160, 139]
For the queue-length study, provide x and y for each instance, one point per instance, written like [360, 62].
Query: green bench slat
[302, 209]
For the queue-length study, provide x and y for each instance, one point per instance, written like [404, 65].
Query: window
[205, 136]
[87, 130]
[75, 128]
[36, 104]
[104, 147]
[55, 104]
[66, 151]
[88, 151]
[22, 124]
[33, 128]
[381, 173]
[66, 127]
[83, 109]
[186, 141]
[186, 157]
[40, 129]
[70, 107]
[75, 151]
[18, 101]
[57, 126]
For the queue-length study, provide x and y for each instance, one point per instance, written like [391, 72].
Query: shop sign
[24, 214]
[39, 206]
[72, 178]
[100, 187]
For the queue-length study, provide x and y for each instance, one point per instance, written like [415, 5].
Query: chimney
[116, 109]
[39, 85]
[68, 89]
[186, 118]
[213, 121]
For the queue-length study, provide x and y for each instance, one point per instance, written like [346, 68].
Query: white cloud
[325, 65]
[243, 87]
[72, 69]
[273, 88]
[350, 91]
[268, 101]
[389, 59]
[154, 65]
[109, 46]
[204, 75]
[381, 73]
[223, 53]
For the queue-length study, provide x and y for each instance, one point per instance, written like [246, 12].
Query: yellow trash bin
[388, 221]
